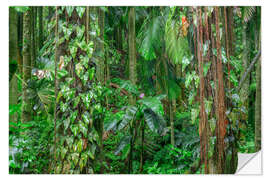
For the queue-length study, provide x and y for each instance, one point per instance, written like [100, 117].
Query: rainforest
[133, 90]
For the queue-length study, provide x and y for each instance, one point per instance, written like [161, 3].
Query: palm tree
[26, 104]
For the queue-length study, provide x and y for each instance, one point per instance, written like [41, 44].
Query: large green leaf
[123, 142]
[69, 10]
[110, 125]
[130, 115]
[154, 103]
[80, 11]
[154, 121]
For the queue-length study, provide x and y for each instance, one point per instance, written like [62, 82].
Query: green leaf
[66, 123]
[91, 152]
[91, 73]
[236, 98]
[80, 11]
[188, 80]
[67, 32]
[63, 106]
[153, 103]
[212, 123]
[79, 69]
[123, 142]
[151, 34]
[73, 116]
[63, 152]
[194, 115]
[80, 145]
[76, 101]
[103, 8]
[73, 51]
[69, 141]
[130, 115]
[86, 117]
[22, 9]
[62, 73]
[205, 47]
[75, 129]
[185, 62]
[206, 67]
[83, 128]
[208, 106]
[75, 158]
[80, 32]
[69, 10]
[110, 125]
[154, 121]
[223, 56]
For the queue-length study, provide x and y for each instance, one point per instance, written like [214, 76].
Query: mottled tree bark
[132, 51]
[33, 36]
[100, 46]
[244, 91]
[40, 27]
[26, 103]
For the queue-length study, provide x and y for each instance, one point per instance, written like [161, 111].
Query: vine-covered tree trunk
[101, 75]
[26, 104]
[79, 114]
[132, 51]
[244, 92]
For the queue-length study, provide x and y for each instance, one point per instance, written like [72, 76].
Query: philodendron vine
[80, 98]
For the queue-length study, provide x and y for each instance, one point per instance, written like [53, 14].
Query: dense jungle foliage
[133, 90]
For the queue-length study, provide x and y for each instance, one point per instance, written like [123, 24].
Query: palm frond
[176, 45]
[248, 13]
[151, 34]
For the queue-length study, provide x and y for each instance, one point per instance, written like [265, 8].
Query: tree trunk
[26, 103]
[258, 100]
[132, 51]
[40, 27]
[33, 36]
[203, 130]
[100, 47]
[244, 91]
[13, 56]
[227, 47]
[221, 118]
